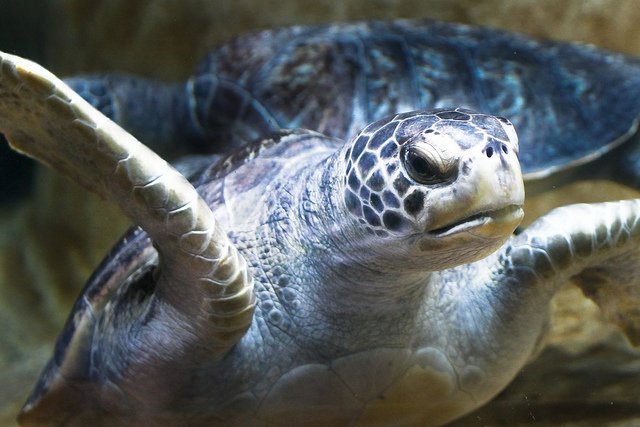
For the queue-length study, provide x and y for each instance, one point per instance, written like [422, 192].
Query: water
[51, 242]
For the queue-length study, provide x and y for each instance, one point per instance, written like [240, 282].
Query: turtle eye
[421, 167]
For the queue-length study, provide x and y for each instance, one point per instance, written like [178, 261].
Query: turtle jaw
[468, 239]
[485, 222]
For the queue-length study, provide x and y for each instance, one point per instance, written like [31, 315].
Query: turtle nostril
[489, 152]
[505, 150]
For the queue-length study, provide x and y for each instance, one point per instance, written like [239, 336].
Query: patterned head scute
[394, 163]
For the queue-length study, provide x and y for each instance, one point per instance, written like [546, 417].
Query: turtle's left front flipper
[597, 246]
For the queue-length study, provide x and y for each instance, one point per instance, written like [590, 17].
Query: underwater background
[53, 233]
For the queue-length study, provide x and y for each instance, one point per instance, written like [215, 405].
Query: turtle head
[443, 186]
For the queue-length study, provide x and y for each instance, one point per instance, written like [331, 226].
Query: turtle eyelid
[426, 165]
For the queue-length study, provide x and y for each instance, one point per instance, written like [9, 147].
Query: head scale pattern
[386, 186]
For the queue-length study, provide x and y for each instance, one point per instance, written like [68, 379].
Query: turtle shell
[128, 270]
[569, 102]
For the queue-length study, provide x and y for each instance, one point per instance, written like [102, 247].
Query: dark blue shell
[566, 100]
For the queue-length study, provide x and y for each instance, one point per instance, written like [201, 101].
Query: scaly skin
[202, 281]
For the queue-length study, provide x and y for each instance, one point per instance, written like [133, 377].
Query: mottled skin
[388, 287]
[570, 103]
[284, 207]
[284, 204]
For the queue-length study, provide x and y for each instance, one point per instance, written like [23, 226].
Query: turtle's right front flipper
[203, 290]
[200, 267]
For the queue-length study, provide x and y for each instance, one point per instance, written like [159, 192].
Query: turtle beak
[493, 222]
[499, 192]
[488, 205]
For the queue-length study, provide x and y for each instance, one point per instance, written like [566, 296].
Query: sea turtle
[575, 106]
[307, 280]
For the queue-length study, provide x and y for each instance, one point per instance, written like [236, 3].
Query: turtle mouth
[509, 214]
